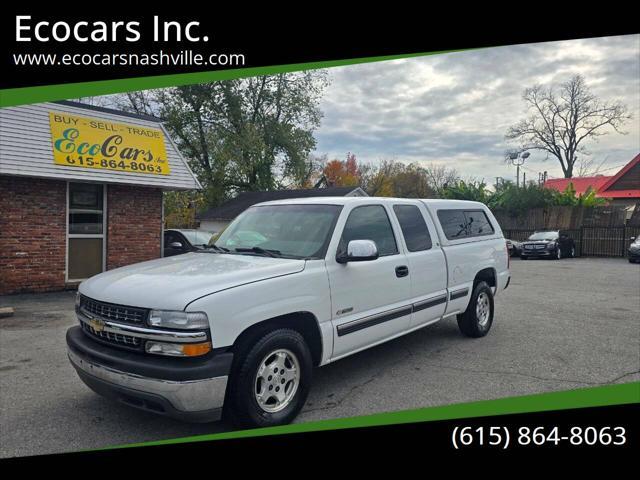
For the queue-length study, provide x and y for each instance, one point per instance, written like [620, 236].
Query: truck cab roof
[430, 202]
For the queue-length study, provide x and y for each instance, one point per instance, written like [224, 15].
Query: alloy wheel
[277, 380]
[483, 309]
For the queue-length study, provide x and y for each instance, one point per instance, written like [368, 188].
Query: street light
[518, 159]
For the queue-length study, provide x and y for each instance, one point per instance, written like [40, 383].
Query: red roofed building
[580, 184]
[623, 188]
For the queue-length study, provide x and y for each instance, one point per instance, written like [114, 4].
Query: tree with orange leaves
[342, 173]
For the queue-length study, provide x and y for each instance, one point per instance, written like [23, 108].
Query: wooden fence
[591, 241]
[569, 218]
[598, 231]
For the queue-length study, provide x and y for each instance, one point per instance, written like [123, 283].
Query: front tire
[558, 253]
[477, 319]
[271, 380]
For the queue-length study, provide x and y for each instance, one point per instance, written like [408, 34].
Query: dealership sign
[98, 143]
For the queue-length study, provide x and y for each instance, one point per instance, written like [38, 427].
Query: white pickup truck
[288, 286]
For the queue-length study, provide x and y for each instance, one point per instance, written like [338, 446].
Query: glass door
[85, 230]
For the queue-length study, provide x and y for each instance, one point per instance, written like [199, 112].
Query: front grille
[116, 313]
[114, 338]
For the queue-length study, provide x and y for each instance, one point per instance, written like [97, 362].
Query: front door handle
[402, 271]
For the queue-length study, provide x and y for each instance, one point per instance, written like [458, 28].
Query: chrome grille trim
[116, 338]
[185, 336]
[109, 311]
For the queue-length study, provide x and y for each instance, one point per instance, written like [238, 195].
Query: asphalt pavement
[560, 325]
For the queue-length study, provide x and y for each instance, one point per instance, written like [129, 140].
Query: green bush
[515, 200]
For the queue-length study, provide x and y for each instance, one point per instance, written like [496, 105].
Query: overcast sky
[454, 109]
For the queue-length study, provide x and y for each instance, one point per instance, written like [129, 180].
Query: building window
[86, 226]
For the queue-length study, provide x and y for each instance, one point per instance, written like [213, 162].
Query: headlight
[181, 320]
[77, 300]
[178, 349]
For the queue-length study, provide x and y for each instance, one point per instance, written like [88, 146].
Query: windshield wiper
[261, 251]
[215, 248]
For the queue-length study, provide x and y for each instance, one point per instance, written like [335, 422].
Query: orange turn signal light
[196, 349]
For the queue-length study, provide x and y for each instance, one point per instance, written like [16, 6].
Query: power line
[610, 168]
[599, 171]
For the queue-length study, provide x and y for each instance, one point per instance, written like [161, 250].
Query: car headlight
[78, 300]
[178, 319]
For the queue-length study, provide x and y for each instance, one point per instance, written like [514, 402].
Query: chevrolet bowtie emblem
[97, 324]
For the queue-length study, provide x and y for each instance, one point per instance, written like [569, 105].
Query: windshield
[297, 231]
[544, 236]
[197, 237]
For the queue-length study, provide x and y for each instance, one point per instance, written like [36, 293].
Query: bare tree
[143, 102]
[440, 176]
[561, 122]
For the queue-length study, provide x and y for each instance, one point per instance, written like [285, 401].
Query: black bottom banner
[584, 434]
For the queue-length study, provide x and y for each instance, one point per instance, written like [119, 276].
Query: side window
[370, 222]
[413, 226]
[453, 223]
[478, 223]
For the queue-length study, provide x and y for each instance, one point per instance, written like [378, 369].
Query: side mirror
[359, 251]
[175, 245]
[632, 238]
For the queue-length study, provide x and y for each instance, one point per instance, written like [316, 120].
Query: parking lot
[560, 325]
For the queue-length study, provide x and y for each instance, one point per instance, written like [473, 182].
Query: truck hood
[173, 282]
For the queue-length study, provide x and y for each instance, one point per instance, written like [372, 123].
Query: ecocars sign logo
[94, 143]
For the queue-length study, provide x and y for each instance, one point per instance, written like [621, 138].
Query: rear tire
[253, 400]
[477, 319]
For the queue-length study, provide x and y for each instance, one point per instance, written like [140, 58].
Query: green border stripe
[19, 96]
[619, 394]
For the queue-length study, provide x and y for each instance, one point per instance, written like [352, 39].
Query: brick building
[81, 192]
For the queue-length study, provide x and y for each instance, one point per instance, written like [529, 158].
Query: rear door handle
[402, 271]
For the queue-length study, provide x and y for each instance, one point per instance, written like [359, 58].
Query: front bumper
[186, 389]
[634, 255]
[538, 253]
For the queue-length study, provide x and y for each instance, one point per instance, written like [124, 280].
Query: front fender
[234, 310]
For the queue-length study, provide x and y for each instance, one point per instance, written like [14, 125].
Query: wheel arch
[488, 275]
[305, 323]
